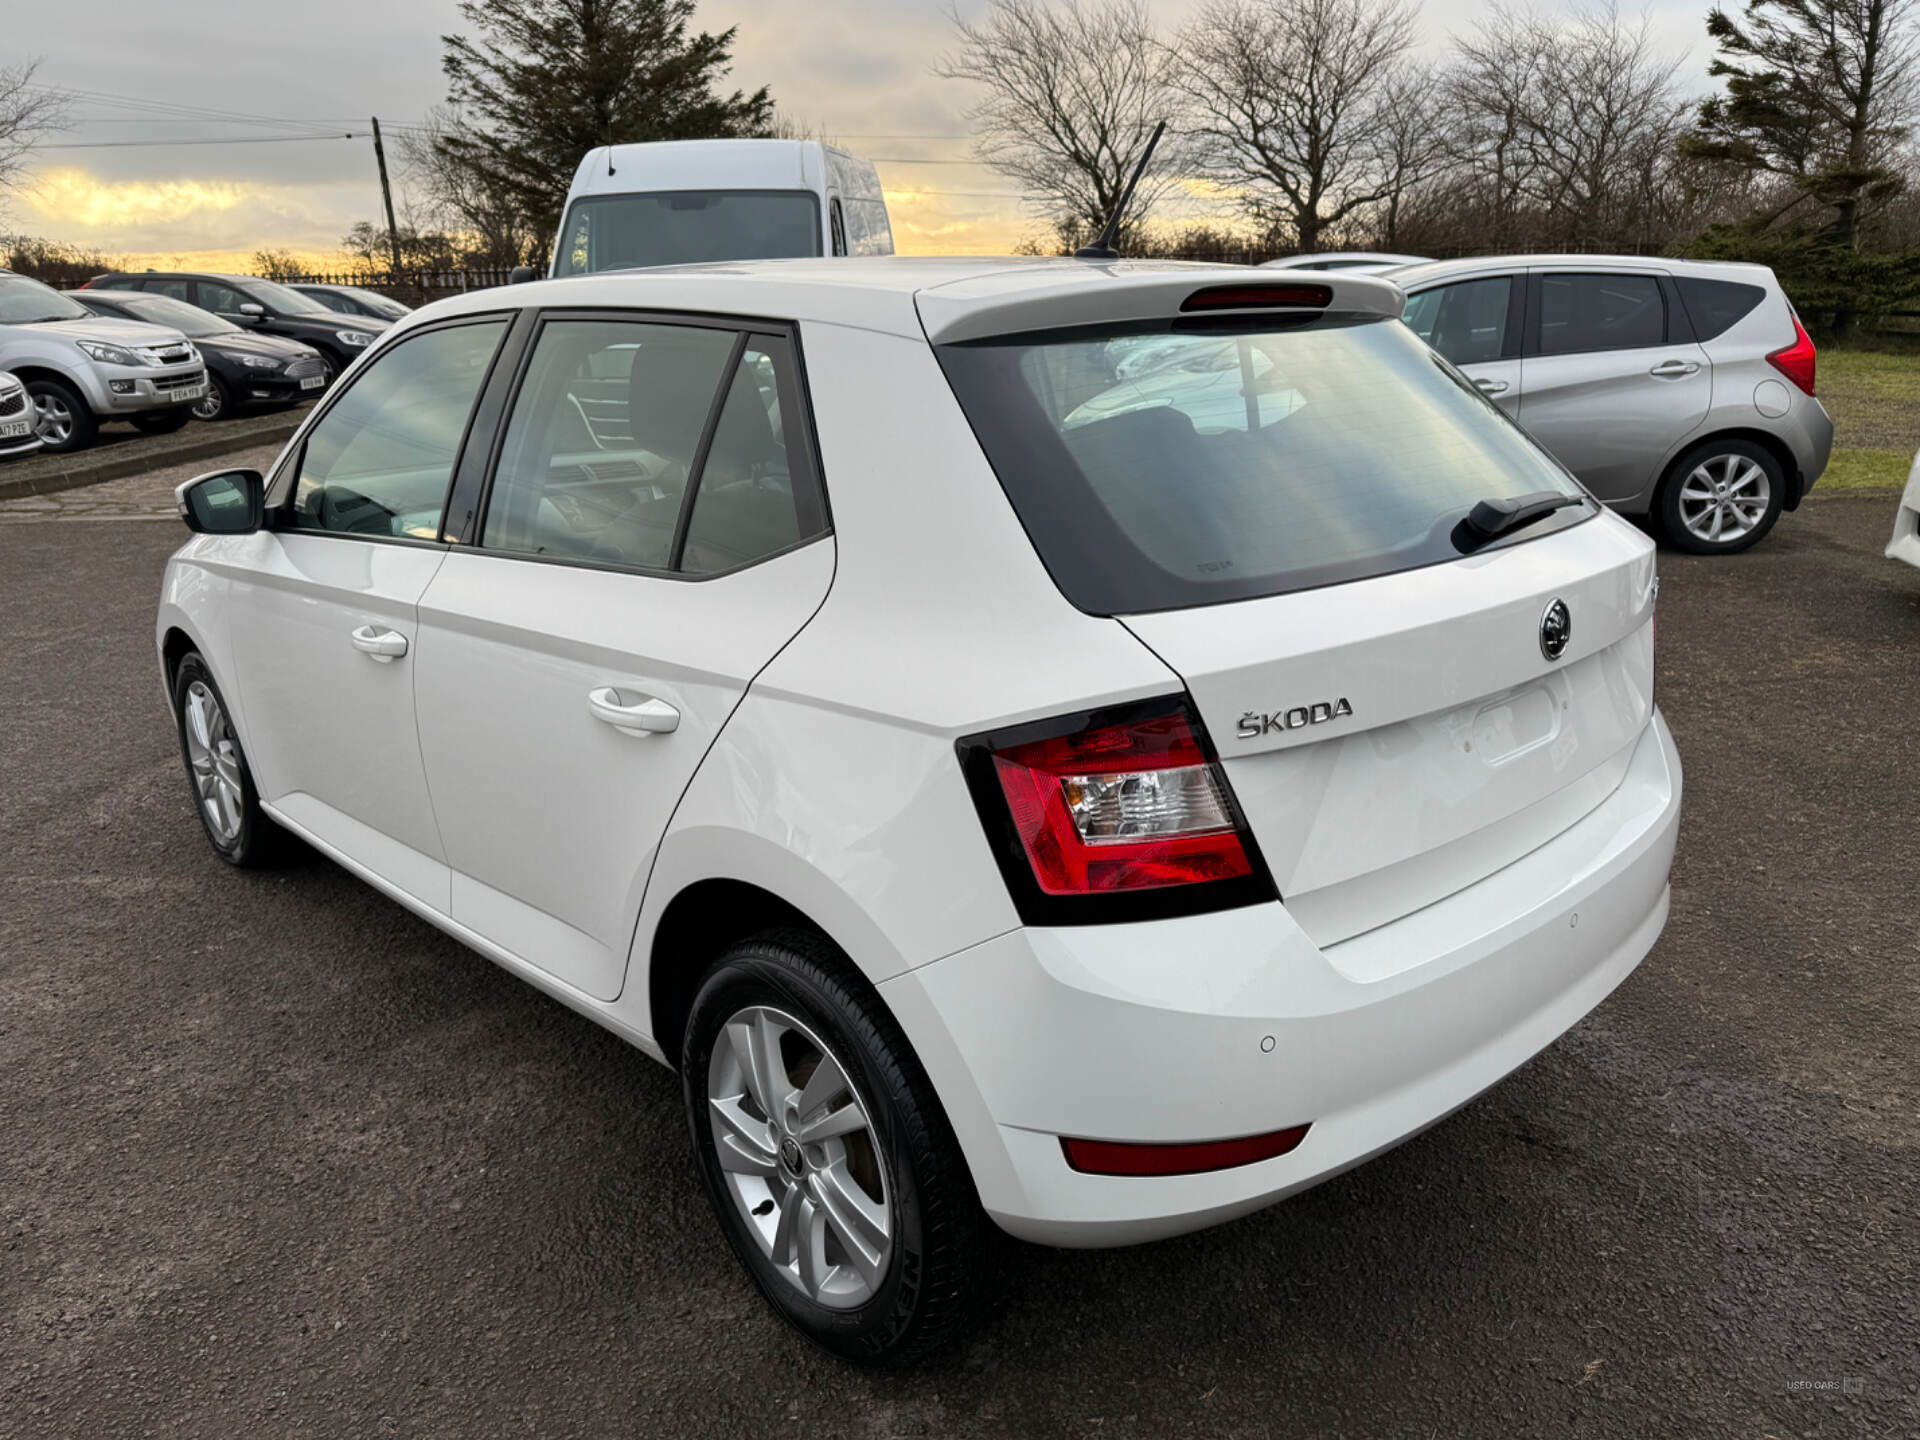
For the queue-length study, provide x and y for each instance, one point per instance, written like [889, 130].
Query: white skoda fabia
[1082, 749]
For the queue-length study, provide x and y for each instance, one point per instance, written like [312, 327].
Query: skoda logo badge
[1556, 629]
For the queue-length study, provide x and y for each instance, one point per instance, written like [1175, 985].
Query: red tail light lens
[1796, 362]
[1259, 297]
[1123, 806]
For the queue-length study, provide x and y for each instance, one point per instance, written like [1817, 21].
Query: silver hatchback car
[1679, 389]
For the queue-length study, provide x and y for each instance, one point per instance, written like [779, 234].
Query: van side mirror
[520, 275]
[227, 502]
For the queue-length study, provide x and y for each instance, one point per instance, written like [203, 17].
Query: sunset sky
[855, 70]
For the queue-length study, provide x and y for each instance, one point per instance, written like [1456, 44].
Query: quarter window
[608, 460]
[1717, 305]
[1600, 312]
[1467, 322]
[380, 459]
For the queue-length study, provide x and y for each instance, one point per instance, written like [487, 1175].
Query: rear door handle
[386, 646]
[1674, 369]
[648, 716]
[1489, 386]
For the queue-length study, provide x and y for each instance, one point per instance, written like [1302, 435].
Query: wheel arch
[30, 372]
[1772, 444]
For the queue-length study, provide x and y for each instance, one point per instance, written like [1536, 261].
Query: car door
[1476, 323]
[630, 574]
[325, 627]
[1612, 380]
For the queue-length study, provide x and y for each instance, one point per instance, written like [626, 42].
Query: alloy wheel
[209, 406]
[55, 419]
[1724, 498]
[214, 759]
[797, 1149]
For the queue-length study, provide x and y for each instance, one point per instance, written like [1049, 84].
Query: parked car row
[159, 349]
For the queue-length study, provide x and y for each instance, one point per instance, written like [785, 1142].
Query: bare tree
[1072, 94]
[1285, 102]
[1412, 140]
[446, 194]
[27, 112]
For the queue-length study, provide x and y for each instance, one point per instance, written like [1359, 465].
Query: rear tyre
[63, 419]
[1721, 497]
[217, 773]
[827, 1158]
[163, 422]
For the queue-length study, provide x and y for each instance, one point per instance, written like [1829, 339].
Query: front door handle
[386, 646]
[646, 716]
[1487, 385]
[1674, 369]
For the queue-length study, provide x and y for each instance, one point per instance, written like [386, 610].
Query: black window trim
[744, 327]
[285, 473]
[1536, 285]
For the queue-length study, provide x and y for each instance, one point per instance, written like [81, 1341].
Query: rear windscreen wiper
[1490, 519]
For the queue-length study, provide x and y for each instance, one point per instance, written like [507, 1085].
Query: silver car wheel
[214, 759]
[1724, 497]
[55, 423]
[801, 1161]
[209, 406]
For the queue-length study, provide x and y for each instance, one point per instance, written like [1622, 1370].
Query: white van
[679, 201]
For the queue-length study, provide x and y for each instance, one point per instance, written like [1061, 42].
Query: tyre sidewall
[1676, 531]
[759, 973]
[249, 846]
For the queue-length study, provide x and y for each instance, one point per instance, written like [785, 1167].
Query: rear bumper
[1808, 432]
[1905, 544]
[1155, 1032]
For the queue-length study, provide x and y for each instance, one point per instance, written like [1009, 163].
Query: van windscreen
[680, 227]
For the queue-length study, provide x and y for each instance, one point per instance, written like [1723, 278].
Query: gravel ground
[277, 1158]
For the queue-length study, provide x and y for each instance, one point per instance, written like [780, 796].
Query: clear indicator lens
[1140, 805]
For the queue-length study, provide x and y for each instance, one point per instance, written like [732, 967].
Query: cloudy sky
[857, 70]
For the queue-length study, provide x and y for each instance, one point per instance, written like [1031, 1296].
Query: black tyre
[63, 419]
[217, 403]
[1721, 497]
[331, 365]
[842, 1188]
[163, 422]
[217, 774]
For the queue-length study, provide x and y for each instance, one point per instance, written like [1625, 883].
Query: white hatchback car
[1905, 544]
[1005, 805]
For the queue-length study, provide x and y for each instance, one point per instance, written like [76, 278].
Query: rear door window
[1581, 313]
[1466, 322]
[1157, 467]
[1716, 306]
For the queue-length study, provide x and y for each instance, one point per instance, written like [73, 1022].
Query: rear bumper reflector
[1112, 1157]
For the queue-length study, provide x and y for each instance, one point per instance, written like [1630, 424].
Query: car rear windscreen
[1158, 467]
[680, 227]
[1716, 306]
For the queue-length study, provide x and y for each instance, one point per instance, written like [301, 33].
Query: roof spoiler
[1066, 295]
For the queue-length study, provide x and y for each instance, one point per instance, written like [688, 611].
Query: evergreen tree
[541, 82]
[1818, 92]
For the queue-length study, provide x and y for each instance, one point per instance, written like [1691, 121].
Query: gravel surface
[278, 1159]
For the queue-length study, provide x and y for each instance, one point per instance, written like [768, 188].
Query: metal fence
[411, 287]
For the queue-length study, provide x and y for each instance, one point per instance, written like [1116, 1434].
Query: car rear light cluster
[1125, 805]
[1796, 362]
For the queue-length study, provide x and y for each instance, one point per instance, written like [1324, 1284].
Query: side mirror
[227, 502]
[253, 311]
[520, 275]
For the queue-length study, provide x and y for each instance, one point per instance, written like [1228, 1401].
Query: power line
[218, 140]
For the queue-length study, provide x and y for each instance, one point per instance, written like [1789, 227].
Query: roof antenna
[1102, 246]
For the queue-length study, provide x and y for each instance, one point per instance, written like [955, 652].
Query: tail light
[1797, 360]
[1122, 814]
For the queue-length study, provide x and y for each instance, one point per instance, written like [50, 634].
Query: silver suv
[1679, 389]
[81, 368]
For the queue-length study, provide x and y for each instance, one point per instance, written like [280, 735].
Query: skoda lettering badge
[1556, 629]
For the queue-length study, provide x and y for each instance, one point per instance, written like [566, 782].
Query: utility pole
[386, 194]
